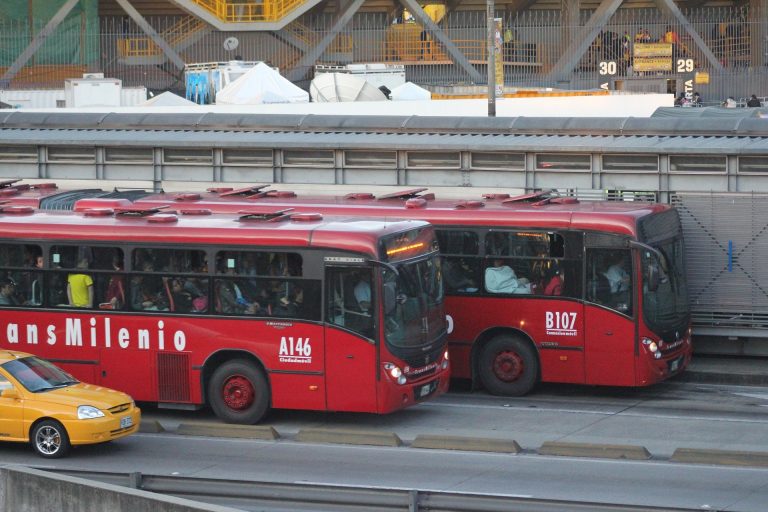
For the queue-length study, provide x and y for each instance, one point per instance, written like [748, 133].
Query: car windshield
[38, 375]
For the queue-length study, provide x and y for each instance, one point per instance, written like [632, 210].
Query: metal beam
[147, 28]
[429, 25]
[583, 39]
[38, 41]
[671, 7]
[300, 70]
[758, 31]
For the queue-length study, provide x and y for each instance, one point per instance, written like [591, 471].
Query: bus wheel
[508, 366]
[50, 439]
[238, 392]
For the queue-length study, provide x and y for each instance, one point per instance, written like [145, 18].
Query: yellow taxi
[42, 404]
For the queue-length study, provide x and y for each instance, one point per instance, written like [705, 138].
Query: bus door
[350, 333]
[609, 336]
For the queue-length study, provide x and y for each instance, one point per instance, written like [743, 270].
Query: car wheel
[50, 439]
[238, 392]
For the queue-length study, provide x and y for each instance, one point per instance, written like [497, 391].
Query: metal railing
[184, 30]
[249, 12]
[276, 496]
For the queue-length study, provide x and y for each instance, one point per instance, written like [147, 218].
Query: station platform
[742, 371]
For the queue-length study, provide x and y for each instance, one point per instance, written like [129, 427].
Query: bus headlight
[653, 347]
[395, 372]
[444, 364]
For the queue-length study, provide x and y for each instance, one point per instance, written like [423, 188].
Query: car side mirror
[9, 393]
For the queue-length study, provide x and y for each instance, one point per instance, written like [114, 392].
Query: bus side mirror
[9, 392]
[653, 278]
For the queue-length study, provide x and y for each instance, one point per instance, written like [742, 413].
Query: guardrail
[272, 496]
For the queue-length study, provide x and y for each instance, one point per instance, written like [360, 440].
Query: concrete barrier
[600, 451]
[30, 490]
[150, 427]
[362, 437]
[466, 443]
[720, 457]
[225, 430]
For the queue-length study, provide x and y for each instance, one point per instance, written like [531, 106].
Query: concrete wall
[30, 490]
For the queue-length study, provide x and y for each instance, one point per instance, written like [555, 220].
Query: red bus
[538, 287]
[241, 312]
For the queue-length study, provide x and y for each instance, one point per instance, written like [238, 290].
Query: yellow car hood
[84, 394]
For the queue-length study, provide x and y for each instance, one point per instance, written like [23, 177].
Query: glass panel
[753, 164]
[609, 279]
[350, 302]
[461, 275]
[370, 158]
[318, 158]
[559, 162]
[498, 160]
[18, 153]
[458, 242]
[249, 263]
[698, 164]
[434, 159]
[71, 154]
[188, 261]
[254, 157]
[187, 156]
[644, 163]
[128, 155]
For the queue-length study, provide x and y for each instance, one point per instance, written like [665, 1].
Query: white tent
[167, 99]
[339, 87]
[409, 91]
[261, 84]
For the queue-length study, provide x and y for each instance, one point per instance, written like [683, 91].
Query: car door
[11, 413]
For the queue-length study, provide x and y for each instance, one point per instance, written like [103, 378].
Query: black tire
[508, 366]
[238, 392]
[49, 439]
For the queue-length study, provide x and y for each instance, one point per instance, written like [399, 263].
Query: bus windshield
[665, 301]
[413, 302]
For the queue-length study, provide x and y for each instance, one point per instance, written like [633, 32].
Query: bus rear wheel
[508, 366]
[238, 392]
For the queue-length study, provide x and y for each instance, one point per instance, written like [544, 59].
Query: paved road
[661, 418]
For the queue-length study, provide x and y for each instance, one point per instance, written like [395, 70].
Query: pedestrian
[754, 102]
[729, 102]
[696, 99]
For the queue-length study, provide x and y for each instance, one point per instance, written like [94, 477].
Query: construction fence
[733, 64]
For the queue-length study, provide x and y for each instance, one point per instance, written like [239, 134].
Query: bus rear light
[395, 372]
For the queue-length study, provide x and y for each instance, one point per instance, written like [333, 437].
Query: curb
[604, 451]
[436, 442]
[225, 430]
[720, 457]
[360, 437]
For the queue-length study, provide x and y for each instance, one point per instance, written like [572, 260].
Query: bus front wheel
[508, 366]
[238, 392]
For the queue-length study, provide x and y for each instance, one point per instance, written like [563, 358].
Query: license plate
[674, 365]
[426, 390]
[126, 422]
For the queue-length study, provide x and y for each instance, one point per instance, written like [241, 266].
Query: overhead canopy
[409, 91]
[261, 84]
[340, 87]
[167, 99]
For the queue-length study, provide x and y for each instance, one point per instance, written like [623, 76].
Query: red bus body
[171, 358]
[573, 339]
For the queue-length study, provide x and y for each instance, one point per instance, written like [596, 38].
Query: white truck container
[376, 74]
[92, 92]
[56, 98]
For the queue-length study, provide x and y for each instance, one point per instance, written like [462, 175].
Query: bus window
[350, 302]
[170, 260]
[609, 279]
[21, 268]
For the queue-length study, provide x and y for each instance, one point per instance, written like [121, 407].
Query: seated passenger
[182, 299]
[456, 278]
[500, 278]
[8, 292]
[553, 281]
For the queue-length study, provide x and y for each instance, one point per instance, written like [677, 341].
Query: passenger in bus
[146, 294]
[80, 287]
[554, 281]
[291, 306]
[8, 292]
[457, 276]
[363, 295]
[616, 273]
[114, 298]
[182, 299]
[500, 278]
[36, 286]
